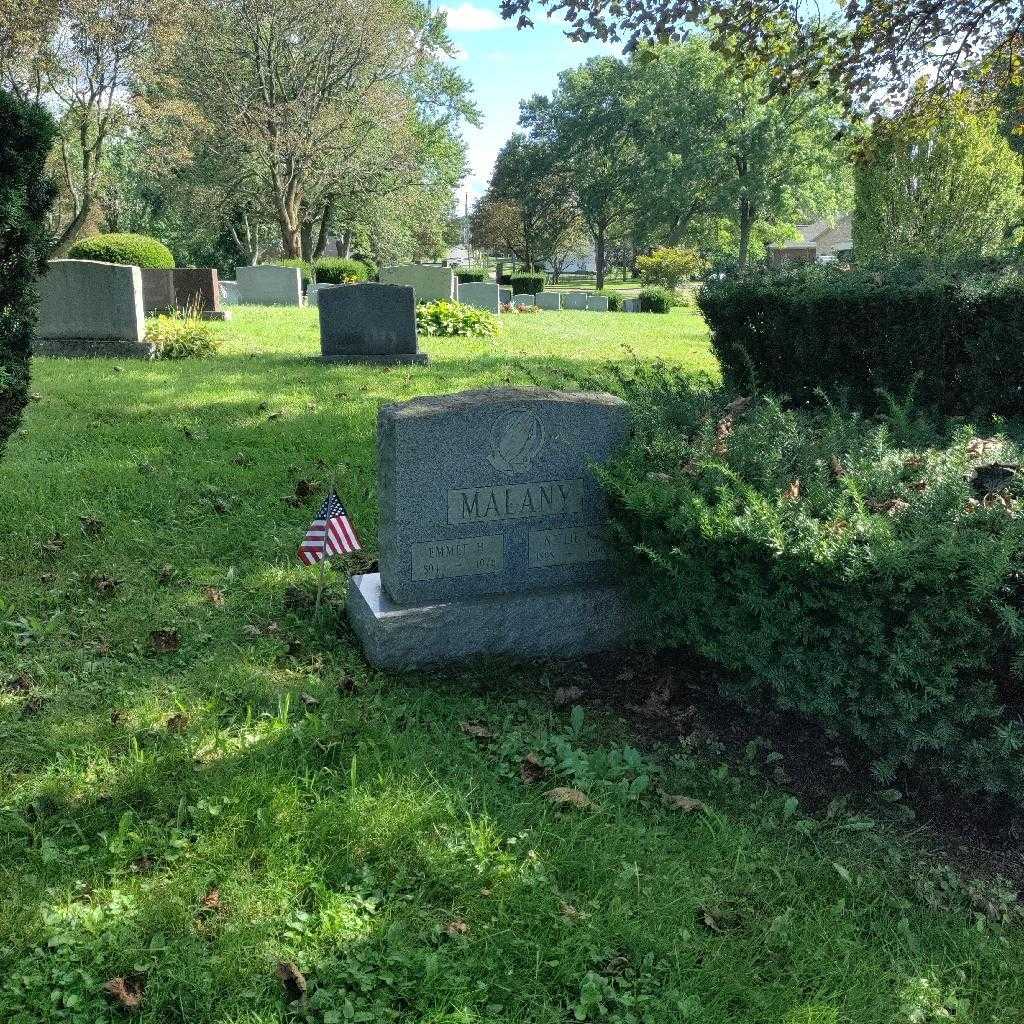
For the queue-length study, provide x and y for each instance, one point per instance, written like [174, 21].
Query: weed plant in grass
[203, 782]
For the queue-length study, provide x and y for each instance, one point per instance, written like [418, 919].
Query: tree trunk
[747, 217]
[599, 254]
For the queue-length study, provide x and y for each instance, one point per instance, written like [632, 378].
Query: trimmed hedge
[614, 299]
[470, 275]
[952, 337]
[526, 284]
[655, 299]
[867, 574]
[131, 250]
[338, 270]
[25, 198]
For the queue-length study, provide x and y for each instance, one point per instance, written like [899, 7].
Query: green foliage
[952, 336]
[842, 568]
[372, 270]
[937, 182]
[25, 198]
[668, 267]
[655, 299]
[524, 283]
[337, 270]
[454, 319]
[130, 249]
[614, 298]
[181, 336]
[304, 266]
[471, 275]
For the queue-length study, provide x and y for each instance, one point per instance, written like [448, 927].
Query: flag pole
[324, 561]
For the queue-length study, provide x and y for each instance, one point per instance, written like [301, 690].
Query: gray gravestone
[524, 300]
[157, 290]
[429, 283]
[368, 323]
[548, 300]
[481, 295]
[598, 303]
[506, 295]
[492, 529]
[269, 286]
[574, 300]
[197, 290]
[630, 305]
[229, 293]
[88, 308]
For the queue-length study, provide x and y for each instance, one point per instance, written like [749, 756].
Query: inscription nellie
[515, 501]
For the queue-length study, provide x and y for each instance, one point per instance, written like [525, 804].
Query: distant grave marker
[368, 323]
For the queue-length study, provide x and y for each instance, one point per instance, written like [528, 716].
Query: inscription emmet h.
[515, 501]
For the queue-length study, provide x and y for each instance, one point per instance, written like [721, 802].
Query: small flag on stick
[329, 534]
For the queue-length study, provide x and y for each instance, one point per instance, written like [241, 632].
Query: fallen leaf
[143, 865]
[165, 575]
[102, 648]
[291, 501]
[125, 993]
[21, 683]
[309, 700]
[685, 804]
[347, 684]
[165, 641]
[570, 913]
[116, 716]
[889, 507]
[177, 723]
[241, 459]
[477, 731]
[531, 769]
[105, 586]
[792, 492]
[293, 979]
[54, 544]
[215, 596]
[566, 796]
[566, 695]
[838, 469]
[305, 488]
[211, 901]
[979, 446]
[457, 927]
[91, 526]
[220, 506]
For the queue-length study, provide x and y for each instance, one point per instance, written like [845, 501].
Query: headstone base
[92, 348]
[379, 358]
[563, 623]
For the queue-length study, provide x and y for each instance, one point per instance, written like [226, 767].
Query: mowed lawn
[202, 781]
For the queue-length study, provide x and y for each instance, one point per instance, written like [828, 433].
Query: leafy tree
[870, 49]
[938, 182]
[82, 59]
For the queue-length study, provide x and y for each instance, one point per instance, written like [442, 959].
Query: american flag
[329, 534]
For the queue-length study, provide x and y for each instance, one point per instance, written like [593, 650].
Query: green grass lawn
[201, 780]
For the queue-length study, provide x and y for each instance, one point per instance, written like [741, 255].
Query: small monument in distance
[368, 323]
[492, 530]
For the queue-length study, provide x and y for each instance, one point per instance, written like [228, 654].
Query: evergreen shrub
[524, 283]
[655, 299]
[338, 270]
[125, 248]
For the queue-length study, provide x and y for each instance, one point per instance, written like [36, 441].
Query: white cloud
[467, 18]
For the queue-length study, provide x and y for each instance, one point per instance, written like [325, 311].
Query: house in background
[819, 242]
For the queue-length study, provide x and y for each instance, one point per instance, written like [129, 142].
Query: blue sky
[506, 65]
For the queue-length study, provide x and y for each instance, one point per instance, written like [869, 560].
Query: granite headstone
[524, 300]
[229, 293]
[89, 308]
[157, 290]
[430, 283]
[368, 323]
[597, 303]
[269, 286]
[631, 305]
[480, 294]
[198, 289]
[548, 300]
[505, 294]
[492, 529]
[574, 300]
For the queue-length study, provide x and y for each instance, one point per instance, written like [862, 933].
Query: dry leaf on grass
[685, 804]
[32, 706]
[125, 992]
[91, 526]
[792, 492]
[211, 901]
[214, 595]
[566, 796]
[306, 488]
[570, 913]
[53, 544]
[105, 585]
[293, 979]
[476, 730]
[177, 723]
[21, 683]
[531, 770]
[165, 641]
[456, 926]
[165, 575]
[309, 700]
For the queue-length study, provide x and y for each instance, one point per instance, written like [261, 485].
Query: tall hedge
[124, 247]
[951, 336]
[25, 197]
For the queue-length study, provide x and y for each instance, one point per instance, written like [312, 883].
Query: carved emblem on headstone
[515, 442]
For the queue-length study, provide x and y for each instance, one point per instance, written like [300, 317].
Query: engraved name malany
[515, 501]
